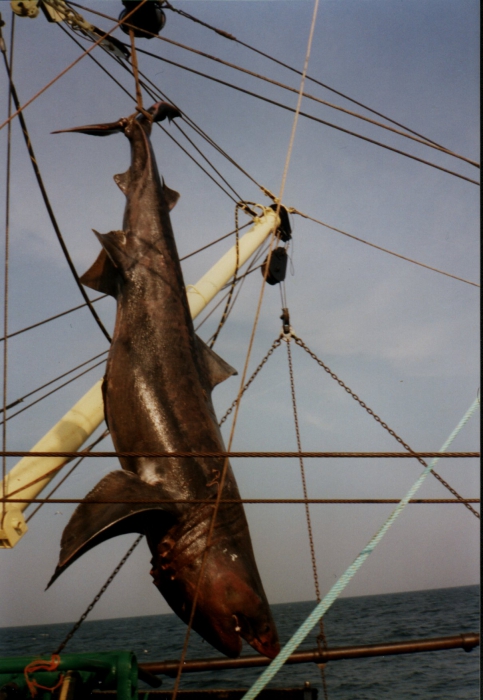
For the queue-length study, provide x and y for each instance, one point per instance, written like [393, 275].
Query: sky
[404, 338]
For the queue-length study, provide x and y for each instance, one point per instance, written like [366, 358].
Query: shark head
[230, 603]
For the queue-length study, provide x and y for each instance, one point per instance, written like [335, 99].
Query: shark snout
[260, 633]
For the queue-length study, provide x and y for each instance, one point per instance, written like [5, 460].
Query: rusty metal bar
[467, 641]
[257, 501]
[345, 455]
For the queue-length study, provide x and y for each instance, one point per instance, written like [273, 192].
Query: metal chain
[276, 344]
[321, 638]
[98, 596]
[301, 344]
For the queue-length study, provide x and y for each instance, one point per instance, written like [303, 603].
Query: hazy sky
[403, 338]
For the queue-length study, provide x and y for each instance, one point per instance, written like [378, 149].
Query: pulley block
[277, 267]
[147, 20]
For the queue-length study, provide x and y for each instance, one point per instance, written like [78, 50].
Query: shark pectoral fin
[102, 276]
[123, 180]
[171, 196]
[218, 370]
[105, 514]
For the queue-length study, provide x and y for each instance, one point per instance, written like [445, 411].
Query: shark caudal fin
[158, 113]
[105, 513]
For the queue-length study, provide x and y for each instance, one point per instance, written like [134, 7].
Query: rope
[339, 586]
[42, 665]
[292, 210]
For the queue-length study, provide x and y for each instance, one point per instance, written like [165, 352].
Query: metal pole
[75, 427]
[466, 641]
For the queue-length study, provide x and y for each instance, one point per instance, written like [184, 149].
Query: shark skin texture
[157, 398]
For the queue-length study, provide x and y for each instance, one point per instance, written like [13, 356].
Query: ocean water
[441, 675]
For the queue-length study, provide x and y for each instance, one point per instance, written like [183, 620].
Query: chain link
[98, 596]
[301, 344]
[321, 638]
[276, 344]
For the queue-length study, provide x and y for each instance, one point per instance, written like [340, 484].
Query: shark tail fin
[120, 503]
[96, 129]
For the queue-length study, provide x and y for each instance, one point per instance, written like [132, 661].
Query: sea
[439, 675]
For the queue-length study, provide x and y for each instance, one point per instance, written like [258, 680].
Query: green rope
[339, 586]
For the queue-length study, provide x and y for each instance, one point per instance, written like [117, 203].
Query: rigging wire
[61, 386]
[292, 210]
[65, 477]
[52, 318]
[315, 119]
[226, 35]
[146, 88]
[7, 253]
[52, 381]
[405, 134]
[20, 109]
[240, 281]
[240, 455]
[295, 211]
[48, 206]
[222, 238]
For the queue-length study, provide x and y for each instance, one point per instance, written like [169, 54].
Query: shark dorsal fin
[123, 180]
[217, 369]
[102, 276]
[171, 196]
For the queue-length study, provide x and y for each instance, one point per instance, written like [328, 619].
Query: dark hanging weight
[148, 18]
[277, 267]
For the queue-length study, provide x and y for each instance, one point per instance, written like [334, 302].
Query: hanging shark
[157, 398]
